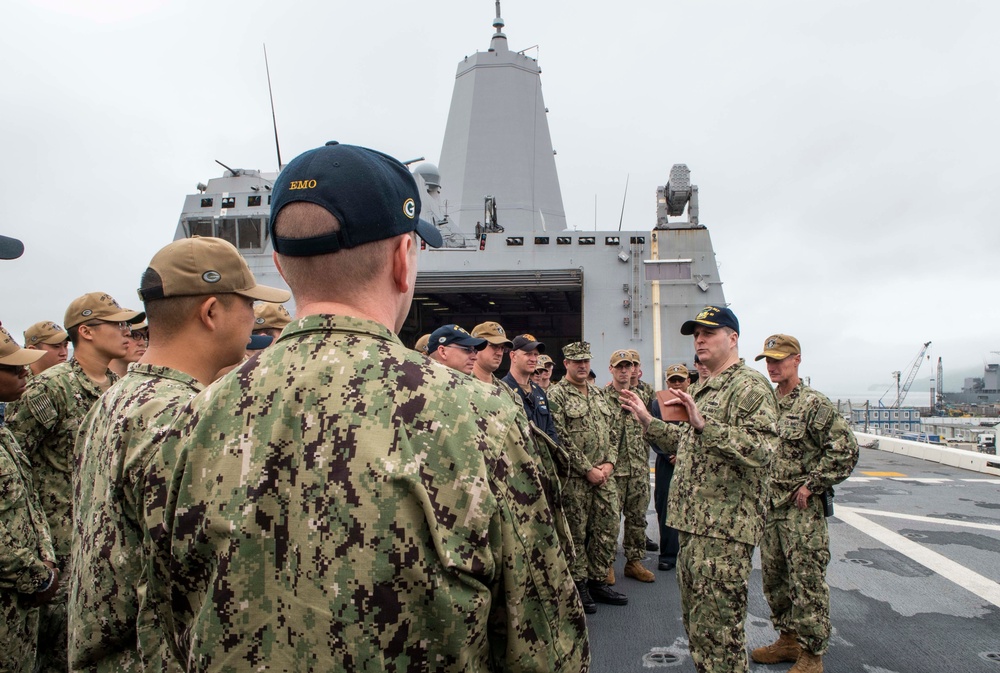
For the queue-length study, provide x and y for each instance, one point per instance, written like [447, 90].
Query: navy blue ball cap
[259, 342]
[526, 342]
[453, 335]
[372, 195]
[10, 248]
[713, 317]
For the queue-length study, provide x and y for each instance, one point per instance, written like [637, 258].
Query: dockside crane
[914, 368]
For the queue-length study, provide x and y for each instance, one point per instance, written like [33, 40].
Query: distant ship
[509, 255]
[984, 390]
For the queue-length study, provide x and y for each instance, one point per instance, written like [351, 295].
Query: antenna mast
[622, 217]
[274, 119]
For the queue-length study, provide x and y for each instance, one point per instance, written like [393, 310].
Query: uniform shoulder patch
[823, 416]
[751, 401]
[42, 409]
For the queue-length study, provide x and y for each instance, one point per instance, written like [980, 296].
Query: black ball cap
[372, 195]
[713, 317]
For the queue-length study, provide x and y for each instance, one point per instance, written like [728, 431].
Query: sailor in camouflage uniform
[552, 456]
[720, 488]
[198, 295]
[52, 340]
[817, 451]
[631, 470]
[341, 503]
[45, 422]
[648, 395]
[583, 417]
[491, 357]
[29, 577]
[636, 384]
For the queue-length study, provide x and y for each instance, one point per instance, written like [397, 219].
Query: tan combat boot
[610, 580]
[808, 663]
[785, 648]
[637, 571]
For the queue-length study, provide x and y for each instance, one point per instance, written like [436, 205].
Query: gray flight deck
[914, 581]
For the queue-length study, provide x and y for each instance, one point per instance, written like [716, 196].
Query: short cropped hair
[167, 316]
[334, 275]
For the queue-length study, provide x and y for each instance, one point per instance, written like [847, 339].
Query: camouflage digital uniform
[631, 476]
[45, 422]
[817, 450]
[25, 544]
[645, 392]
[341, 503]
[584, 425]
[717, 503]
[111, 626]
[552, 458]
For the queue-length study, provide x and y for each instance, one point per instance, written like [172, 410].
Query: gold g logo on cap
[211, 276]
[259, 321]
[86, 312]
[409, 208]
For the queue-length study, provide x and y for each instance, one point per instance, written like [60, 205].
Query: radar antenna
[498, 22]
[274, 119]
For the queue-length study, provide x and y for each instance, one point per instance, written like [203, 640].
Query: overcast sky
[846, 152]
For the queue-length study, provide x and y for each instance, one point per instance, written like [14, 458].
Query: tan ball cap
[492, 332]
[270, 316]
[421, 345]
[779, 347]
[13, 355]
[544, 362]
[621, 356]
[99, 306]
[634, 355]
[201, 266]
[677, 371]
[45, 332]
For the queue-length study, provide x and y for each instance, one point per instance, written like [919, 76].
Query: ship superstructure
[509, 253]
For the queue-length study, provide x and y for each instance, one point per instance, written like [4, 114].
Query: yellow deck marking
[884, 474]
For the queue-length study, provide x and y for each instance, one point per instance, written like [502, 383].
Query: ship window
[199, 227]
[250, 232]
[253, 200]
[541, 240]
[563, 240]
[228, 201]
[585, 240]
[227, 230]
[207, 202]
[268, 199]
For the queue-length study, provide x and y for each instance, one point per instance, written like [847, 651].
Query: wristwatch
[47, 584]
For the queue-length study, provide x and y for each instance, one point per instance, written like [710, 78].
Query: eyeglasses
[139, 336]
[120, 325]
[468, 349]
[499, 347]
